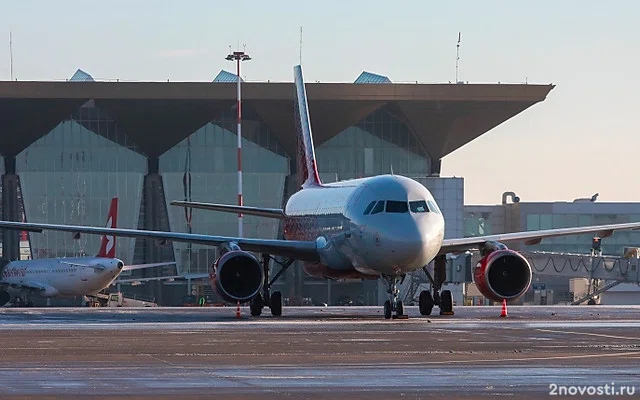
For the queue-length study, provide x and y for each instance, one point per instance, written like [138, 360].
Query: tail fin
[108, 247]
[307, 168]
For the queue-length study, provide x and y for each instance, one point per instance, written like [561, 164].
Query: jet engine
[4, 298]
[502, 274]
[237, 276]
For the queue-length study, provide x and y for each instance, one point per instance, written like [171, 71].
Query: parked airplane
[65, 277]
[379, 227]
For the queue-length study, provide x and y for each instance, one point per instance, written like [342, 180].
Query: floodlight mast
[238, 57]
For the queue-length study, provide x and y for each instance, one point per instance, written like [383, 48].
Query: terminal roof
[158, 115]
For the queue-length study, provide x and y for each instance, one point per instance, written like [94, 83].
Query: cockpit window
[397, 206]
[419, 206]
[378, 208]
[433, 207]
[369, 207]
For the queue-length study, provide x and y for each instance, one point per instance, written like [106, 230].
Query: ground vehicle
[117, 299]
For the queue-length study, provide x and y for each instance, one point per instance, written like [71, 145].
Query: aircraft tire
[276, 304]
[256, 306]
[399, 308]
[425, 303]
[446, 302]
[387, 309]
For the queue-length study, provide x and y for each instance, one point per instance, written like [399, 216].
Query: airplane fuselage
[59, 277]
[361, 238]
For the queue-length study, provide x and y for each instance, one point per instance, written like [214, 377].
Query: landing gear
[387, 309]
[425, 303]
[393, 304]
[271, 300]
[276, 304]
[442, 299]
[446, 303]
[256, 305]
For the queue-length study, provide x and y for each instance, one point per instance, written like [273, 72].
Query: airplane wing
[76, 264]
[261, 212]
[30, 285]
[134, 267]
[140, 280]
[531, 237]
[300, 250]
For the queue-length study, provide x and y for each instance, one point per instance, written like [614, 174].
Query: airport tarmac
[315, 352]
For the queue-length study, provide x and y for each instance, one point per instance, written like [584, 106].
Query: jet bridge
[604, 271]
[615, 268]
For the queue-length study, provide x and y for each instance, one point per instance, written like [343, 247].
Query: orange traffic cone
[238, 311]
[503, 313]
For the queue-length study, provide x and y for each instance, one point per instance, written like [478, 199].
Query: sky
[579, 141]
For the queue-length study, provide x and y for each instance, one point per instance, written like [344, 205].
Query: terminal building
[68, 147]
[515, 214]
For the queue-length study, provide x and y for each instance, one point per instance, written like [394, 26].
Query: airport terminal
[72, 146]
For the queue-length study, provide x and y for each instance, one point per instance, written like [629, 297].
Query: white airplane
[379, 227]
[65, 277]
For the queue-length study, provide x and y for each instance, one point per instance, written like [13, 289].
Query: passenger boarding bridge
[603, 271]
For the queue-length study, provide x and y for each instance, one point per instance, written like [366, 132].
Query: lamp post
[238, 57]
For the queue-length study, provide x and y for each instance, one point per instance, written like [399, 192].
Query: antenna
[10, 54]
[457, 56]
[391, 168]
[300, 45]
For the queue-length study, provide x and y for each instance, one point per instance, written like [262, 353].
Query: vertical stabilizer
[108, 246]
[307, 168]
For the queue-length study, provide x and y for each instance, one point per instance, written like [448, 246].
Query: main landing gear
[442, 299]
[267, 298]
[394, 304]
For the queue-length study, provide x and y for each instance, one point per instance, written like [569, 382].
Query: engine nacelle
[502, 275]
[237, 276]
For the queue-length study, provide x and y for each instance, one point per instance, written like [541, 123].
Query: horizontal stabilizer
[258, 211]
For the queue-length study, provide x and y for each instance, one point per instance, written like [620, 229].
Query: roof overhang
[157, 115]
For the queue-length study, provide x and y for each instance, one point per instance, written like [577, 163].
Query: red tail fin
[308, 170]
[108, 247]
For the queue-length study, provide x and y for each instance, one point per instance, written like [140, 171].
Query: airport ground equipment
[596, 287]
[117, 299]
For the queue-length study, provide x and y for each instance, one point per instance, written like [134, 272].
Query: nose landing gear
[394, 304]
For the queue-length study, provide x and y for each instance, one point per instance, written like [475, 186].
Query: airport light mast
[238, 57]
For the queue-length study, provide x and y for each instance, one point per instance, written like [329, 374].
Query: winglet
[307, 168]
[108, 246]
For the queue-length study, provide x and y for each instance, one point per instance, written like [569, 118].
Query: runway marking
[589, 334]
[161, 360]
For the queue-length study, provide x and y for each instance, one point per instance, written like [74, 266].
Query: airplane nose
[406, 244]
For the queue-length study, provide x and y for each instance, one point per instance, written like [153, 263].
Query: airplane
[383, 226]
[65, 277]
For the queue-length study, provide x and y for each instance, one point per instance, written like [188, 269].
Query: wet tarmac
[314, 352]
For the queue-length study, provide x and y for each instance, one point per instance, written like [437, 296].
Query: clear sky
[581, 140]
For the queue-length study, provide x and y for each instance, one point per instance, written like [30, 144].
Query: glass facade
[613, 245]
[476, 225]
[69, 177]
[209, 158]
[377, 145]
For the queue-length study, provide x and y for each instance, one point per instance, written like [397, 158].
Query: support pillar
[10, 209]
[155, 218]
[435, 167]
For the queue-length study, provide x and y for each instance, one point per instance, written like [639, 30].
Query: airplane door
[84, 274]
